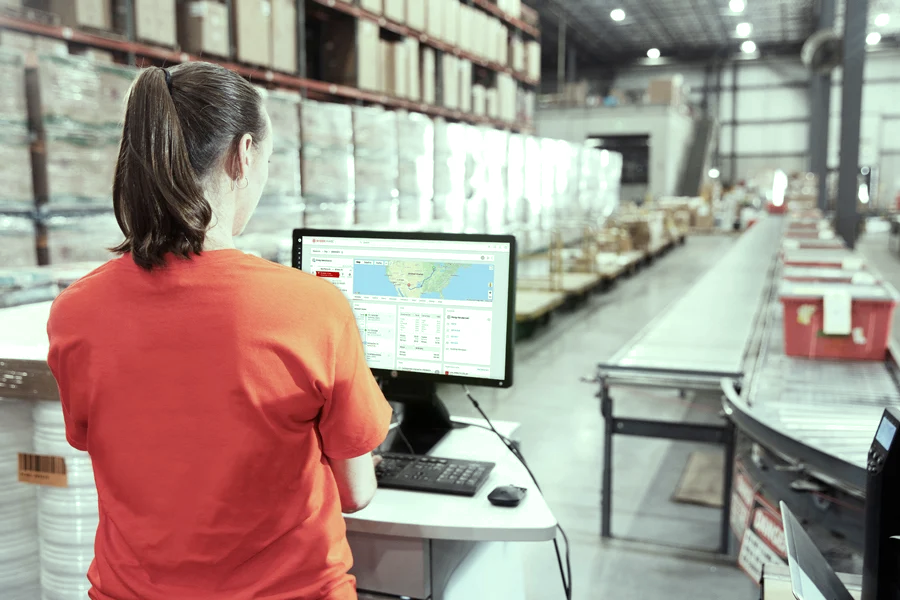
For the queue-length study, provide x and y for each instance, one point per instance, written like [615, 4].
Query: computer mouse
[507, 495]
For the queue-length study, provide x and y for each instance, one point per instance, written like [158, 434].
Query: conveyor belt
[821, 414]
[706, 333]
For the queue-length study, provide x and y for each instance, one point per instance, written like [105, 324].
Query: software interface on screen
[422, 306]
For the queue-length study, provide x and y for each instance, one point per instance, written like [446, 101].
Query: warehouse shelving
[424, 38]
[320, 89]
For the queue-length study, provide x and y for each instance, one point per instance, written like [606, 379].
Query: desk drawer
[393, 566]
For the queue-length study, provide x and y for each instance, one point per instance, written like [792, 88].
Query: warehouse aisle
[562, 438]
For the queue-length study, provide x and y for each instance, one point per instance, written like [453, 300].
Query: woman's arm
[356, 482]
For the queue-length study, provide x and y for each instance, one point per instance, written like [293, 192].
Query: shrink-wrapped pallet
[449, 174]
[327, 164]
[375, 166]
[77, 238]
[415, 185]
[16, 193]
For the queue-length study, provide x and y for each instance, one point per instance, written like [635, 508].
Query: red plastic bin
[792, 243]
[827, 275]
[816, 257]
[871, 317]
[776, 210]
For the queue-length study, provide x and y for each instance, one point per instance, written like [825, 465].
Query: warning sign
[754, 554]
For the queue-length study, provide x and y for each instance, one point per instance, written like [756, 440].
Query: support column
[572, 65]
[851, 113]
[820, 114]
[561, 55]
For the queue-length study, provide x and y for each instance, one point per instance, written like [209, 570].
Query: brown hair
[181, 125]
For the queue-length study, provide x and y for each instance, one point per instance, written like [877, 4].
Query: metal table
[700, 339]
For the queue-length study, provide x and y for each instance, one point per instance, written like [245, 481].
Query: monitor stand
[425, 419]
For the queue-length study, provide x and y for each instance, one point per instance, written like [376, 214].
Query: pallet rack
[145, 54]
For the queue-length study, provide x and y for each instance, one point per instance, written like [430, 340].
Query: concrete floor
[562, 437]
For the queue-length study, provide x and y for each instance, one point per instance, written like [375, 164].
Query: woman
[225, 400]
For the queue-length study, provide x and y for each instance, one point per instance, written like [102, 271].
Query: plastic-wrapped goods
[515, 180]
[283, 186]
[19, 557]
[476, 181]
[326, 164]
[567, 172]
[415, 136]
[115, 82]
[450, 174]
[376, 158]
[13, 109]
[79, 238]
[25, 285]
[611, 163]
[70, 91]
[17, 241]
[284, 113]
[534, 176]
[548, 169]
[16, 193]
[496, 154]
[67, 517]
[328, 187]
[326, 125]
[268, 234]
[80, 166]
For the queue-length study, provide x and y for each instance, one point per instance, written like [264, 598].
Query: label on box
[39, 469]
[837, 312]
[826, 234]
[791, 244]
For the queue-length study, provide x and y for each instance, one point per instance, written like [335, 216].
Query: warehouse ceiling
[685, 29]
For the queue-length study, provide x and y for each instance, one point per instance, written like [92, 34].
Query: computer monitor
[433, 306]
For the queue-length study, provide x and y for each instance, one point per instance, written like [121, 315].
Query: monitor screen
[886, 432]
[431, 305]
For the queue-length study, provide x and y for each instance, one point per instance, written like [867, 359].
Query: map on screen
[429, 280]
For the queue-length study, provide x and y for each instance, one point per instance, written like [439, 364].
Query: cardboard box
[465, 36]
[414, 77]
[479, 100]
[493, 104]
[452, 11]
[450, 78]
[96, 14]
[415, 14]
[395, 10]
[428, 76]
[667, 92]
[502, 42]
[517, 54]
[23, 42]
[533, 59]
[434, 18]
[253, 31]
[155, 22]
[284, 36]
[373, 6]
[367, 68]
[395, 69]
[204, 28]
[465, 86]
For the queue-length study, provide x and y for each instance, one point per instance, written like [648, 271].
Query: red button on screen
[330, 274]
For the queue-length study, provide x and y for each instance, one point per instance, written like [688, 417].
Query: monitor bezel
[296, 262]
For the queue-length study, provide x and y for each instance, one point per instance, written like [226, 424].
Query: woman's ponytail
[180, 125]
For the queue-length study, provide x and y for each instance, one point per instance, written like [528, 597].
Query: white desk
[439, 547]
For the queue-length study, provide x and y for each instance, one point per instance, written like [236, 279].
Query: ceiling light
[882, 20]
[714, 173]
[653, 53]
[743, 29]
[617, 15]
[748, 47]
[873, 38]
[737, 6]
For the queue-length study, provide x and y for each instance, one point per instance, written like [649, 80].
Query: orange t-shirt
[209, 394]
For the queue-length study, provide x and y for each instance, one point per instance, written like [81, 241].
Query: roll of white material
[67, 517]
[19, 559]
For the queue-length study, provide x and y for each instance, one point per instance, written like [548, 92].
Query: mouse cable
[564, 573]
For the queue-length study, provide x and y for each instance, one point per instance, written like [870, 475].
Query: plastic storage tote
[814, 257]
[828, 275]
[837, 320]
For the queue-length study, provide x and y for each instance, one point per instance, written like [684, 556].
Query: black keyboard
[432, 474]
